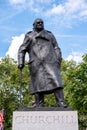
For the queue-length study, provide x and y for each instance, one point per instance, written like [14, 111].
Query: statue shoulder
[49, 31]
[28, 32]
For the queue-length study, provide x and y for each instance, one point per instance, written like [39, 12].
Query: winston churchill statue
[44, 63]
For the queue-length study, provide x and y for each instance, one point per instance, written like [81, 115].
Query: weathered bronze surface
[44, 63]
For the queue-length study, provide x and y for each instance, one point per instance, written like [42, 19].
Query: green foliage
[74, 81]
[75, 85]
[82, 120]
[10, 88]
[50, 100]
[8, 97]
[75, 88]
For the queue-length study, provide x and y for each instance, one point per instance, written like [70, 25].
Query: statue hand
[59, 63]
[20, 66]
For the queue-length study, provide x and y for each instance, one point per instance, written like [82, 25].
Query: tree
[75, 87]
[75, 84]
[10, 88]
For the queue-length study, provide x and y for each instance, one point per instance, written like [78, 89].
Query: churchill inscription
[45, 120]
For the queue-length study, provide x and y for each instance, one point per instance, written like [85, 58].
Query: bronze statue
[44, 63]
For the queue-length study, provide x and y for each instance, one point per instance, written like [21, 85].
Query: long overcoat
[44, 60]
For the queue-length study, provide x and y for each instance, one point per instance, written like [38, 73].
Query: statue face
[38, 24]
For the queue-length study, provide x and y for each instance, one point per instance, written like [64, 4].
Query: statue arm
[22, 51]
[57, 50]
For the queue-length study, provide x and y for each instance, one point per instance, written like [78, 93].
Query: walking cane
[20, 96]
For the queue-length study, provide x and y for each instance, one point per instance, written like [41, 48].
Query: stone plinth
[45, 120]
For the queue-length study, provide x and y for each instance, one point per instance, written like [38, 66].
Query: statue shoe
[62, 104]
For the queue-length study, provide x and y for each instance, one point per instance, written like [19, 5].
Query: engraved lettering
[49, 119]
[62, 119]
[72, 119]
[41, 119]
[67, 119]
[25, 119]
[33, 119]
[56, 119]
[19, 119]
[45, 119]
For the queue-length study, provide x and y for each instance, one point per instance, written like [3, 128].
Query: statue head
[38, 25]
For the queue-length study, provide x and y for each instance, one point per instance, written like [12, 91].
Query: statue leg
[39, 99]
[59, 97]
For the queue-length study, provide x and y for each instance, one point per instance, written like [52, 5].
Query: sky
[66, 19]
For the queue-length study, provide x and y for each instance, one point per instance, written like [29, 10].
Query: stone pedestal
[45, 120]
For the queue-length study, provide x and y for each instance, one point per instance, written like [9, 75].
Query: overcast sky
[67, 19]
